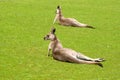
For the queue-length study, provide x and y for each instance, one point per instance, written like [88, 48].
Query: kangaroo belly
[64, 54]
[59, 57]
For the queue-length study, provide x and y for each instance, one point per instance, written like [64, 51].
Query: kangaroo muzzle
[45, 38]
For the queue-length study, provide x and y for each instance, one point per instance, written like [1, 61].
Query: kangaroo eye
[47, 35]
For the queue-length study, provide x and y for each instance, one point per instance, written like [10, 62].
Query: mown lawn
[23, 52]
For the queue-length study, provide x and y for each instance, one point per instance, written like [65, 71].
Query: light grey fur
[68, 21]
[66, 54]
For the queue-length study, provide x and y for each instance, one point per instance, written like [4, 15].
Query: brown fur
[66, 54]
[69, 21]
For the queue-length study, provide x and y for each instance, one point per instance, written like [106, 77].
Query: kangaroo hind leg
[83, 57]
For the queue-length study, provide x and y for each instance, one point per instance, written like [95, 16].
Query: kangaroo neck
[60, 15]
[56, 44]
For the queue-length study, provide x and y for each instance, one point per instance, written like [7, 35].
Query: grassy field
[23, 52]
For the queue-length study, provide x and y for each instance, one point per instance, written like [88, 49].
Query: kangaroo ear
[53, 30]
[58, 7]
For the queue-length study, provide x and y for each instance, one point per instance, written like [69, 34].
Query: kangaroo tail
[90, 27]
[99, 64]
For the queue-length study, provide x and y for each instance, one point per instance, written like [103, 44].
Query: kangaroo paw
[100, 64]
[99, 60]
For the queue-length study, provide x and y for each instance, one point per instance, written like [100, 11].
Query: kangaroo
[66, 54]
[68, 21]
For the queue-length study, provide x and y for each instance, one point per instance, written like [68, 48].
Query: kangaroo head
[58, 12]
[51, 36]
[58, 9]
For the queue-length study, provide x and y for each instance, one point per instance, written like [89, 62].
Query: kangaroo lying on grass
[68, 21]
[66, 54]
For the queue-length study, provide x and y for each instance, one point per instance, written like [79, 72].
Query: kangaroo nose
[44, 38]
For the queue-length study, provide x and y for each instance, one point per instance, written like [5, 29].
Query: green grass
[23, 52]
